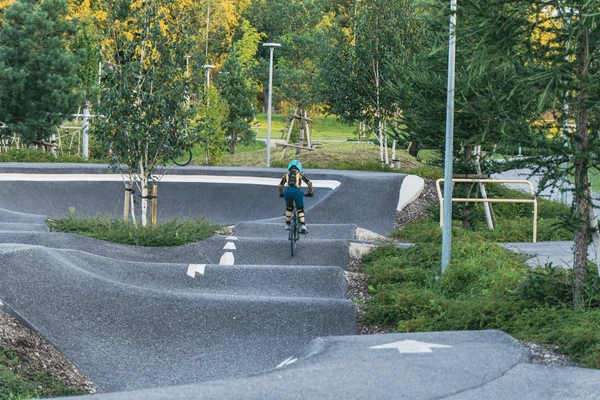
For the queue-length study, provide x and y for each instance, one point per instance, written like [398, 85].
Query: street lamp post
[207, 67]
[271, 47]
[447, 216]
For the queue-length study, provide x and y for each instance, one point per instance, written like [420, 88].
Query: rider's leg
[302, 219]
[289, 207]
[299, 200]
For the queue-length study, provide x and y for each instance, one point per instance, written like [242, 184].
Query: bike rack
[525, 182]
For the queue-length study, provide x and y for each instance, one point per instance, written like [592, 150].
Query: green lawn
[322, 128]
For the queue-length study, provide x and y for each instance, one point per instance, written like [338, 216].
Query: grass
[165, 234]
[18, 380]
[485, 286]
[337, 156]
[322, 128]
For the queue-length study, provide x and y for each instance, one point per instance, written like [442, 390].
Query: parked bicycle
[184, 159]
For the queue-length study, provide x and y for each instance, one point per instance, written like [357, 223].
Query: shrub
[165, 234]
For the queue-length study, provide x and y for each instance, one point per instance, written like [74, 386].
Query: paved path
[236, 316]
[543, 253]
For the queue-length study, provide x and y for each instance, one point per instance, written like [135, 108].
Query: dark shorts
[293, 195]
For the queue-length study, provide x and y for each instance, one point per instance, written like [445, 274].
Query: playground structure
[70, 137]
[304, 141]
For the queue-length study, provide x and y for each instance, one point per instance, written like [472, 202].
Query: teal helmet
[295, 163]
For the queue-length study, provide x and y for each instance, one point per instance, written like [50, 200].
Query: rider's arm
[282, 184]
[308, 183]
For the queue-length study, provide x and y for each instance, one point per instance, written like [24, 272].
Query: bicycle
[185, 159]
[294, 232]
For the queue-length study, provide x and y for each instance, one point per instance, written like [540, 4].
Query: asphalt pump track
[234, 316]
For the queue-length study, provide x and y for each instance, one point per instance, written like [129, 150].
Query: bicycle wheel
[293, 235]
[185, 159]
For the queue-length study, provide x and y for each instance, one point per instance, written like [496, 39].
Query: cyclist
[289, 189]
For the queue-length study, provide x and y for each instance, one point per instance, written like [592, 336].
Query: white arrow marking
[229, 246]
[193, 268]
[289, 361]
[227, 258]
[231, 238]
[411, 346]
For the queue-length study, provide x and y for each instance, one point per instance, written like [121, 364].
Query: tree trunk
[301, 125]
[582, 207]
[233, 148]
[265, 94]
[582, 183]
[144, 216]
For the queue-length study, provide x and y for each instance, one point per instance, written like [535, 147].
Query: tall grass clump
[166, 234]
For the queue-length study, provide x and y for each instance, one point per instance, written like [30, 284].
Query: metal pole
[447, 228]
[271, 47]
[269, 105]
[207, 67]
[84, 139]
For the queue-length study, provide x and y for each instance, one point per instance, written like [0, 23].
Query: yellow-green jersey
[294, 178]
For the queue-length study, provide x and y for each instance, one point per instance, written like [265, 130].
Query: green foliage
[38, 78]
[252, 146]
[485, 287]
[234, 88]
[165, 234]
[17, 381]
[350, 165]
[38, 156]
[212, 116]
[146, 97]
[356, 66]
[575, 332]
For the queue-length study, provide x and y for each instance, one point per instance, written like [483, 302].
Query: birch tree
[356, 68]
[147, 115]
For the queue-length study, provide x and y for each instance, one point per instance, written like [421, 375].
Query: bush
[165, 234]
[485, 287]
[40, 156]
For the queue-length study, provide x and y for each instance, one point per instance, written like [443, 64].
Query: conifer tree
[38, 78]
[235, 90]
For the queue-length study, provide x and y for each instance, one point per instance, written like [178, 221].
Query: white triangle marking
[227, 258]
[195, 268]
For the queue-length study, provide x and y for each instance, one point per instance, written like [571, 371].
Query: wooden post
[127, 200]
[489, 213]
[308, 141]
[289, 134]
[154, 201]
[301, 125]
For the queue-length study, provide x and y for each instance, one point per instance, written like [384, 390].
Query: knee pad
[301, 214]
